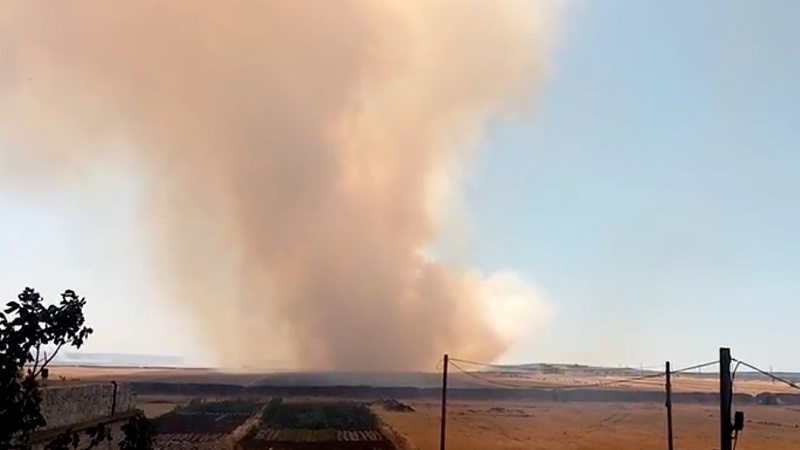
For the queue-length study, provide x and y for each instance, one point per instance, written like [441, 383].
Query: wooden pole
[442, 429]
[725, 391]
[669, 406]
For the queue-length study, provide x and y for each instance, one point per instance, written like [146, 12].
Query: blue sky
[654, 197]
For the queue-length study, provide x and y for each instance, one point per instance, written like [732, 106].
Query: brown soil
[584, 426]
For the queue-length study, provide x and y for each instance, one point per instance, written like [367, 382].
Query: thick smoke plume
[297, 154]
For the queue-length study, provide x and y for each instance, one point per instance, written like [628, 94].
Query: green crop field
[318, 416]
[222, 407]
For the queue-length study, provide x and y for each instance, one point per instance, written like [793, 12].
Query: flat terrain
[585, 426]
[681, 382]
[497, 425]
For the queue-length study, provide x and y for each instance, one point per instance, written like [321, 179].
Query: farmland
[307, 424]
[322, 410]
[583, 426]
[278, 424]
[202, 425]
[310, 425]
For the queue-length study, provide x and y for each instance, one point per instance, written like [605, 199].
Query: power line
[573, 386]
[509, 368]
[789, 383]
[559, 387]
[538, 369]
[454, 363]
[730, 400]
[439, 364]
[615, 382]
[766, 373]
[495, 382]
[647, 377]
[695, 367]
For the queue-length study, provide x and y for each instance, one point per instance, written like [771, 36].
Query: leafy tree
[27, 329]
[140, 434]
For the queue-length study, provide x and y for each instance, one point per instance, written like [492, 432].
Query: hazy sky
[653, 197]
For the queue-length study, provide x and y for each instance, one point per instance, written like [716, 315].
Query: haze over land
[652, 195]
[298, 158]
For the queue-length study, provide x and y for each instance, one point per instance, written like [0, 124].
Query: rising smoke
[297, 154]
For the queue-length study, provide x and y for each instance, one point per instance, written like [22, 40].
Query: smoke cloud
[297, 155]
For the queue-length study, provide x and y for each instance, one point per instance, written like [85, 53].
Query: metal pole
[442, 433]
[669, 406]
[725, 391]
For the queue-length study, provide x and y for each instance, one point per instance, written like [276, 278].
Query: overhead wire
[474, 375]
[789, 383]
[730, 400]
[643, 377]
[695, 367]
[766, 373]
[486, 380]
[536, 368]
[510, 368]
[558, 387]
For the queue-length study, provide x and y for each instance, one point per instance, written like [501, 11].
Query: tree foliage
[27, 330]
[140, 434]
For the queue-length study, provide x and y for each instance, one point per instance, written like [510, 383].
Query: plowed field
[317, 425]
[199, 423]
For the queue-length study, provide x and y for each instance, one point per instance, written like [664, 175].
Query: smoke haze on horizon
[297, 157]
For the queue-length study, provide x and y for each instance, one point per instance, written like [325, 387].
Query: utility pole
[669, 406]
[442, 429]
[725, 392]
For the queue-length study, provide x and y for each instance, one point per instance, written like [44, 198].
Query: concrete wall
[76, 407]
[75, 403]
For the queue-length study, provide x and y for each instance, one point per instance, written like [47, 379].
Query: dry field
[503, 425]
[89, 373]
[158, 405]
[681, 383]
[590, 426]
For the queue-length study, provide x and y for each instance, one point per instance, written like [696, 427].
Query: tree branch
[36, 361]
[48, 359]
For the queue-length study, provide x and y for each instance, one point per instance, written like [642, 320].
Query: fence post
[725, 391]
[668, 373]
[442, 432]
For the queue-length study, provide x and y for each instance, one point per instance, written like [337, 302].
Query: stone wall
[76, 403]
[76, 407]
[113, 444]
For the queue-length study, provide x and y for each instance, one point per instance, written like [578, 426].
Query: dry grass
[158, 405]
[680, 383]
[152, 410]
[585, 426]
[153, 374]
